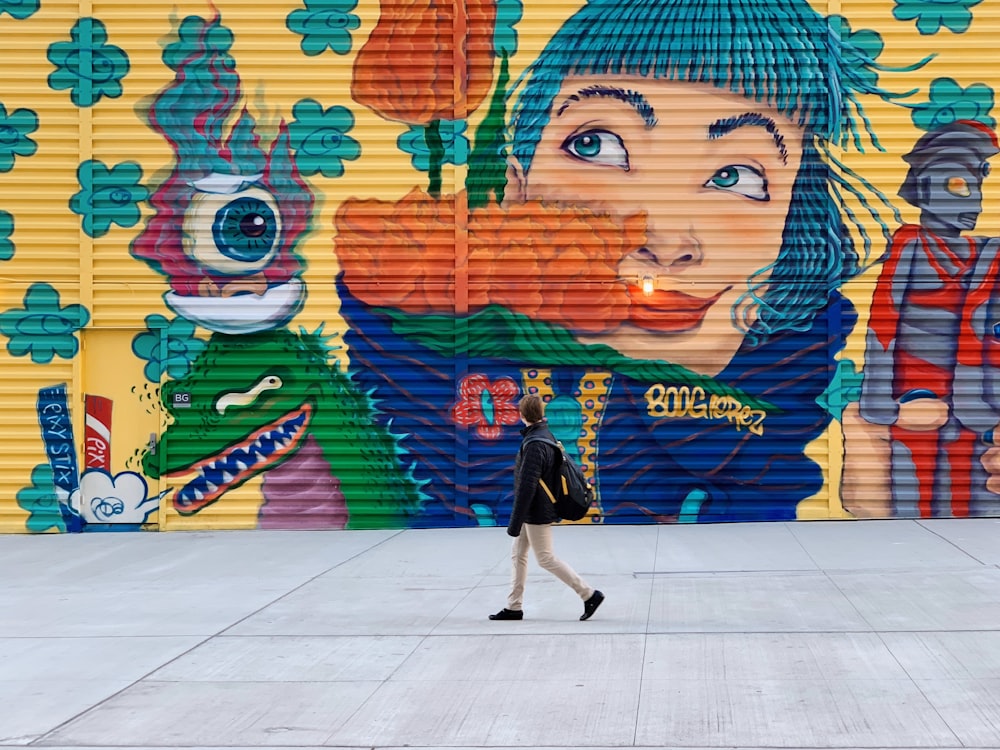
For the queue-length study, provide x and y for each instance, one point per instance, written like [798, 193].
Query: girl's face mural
[627, 144]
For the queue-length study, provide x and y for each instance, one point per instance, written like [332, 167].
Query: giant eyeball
[235, 234]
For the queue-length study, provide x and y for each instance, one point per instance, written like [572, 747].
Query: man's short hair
[532, 408]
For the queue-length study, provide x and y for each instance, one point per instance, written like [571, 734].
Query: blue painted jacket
[657, 449]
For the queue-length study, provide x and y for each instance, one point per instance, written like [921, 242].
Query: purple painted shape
[302, 493]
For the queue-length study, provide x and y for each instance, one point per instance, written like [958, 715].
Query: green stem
[436, 147]
[487, 175]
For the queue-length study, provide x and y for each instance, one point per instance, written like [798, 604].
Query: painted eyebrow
[727, 125]
[632, 98]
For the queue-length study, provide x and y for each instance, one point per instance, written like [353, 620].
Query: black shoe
[590, 606]
[508, 614]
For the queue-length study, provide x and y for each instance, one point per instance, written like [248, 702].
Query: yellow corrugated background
[120, 291]
[47, 235]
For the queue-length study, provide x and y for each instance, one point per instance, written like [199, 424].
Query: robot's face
[952, 193]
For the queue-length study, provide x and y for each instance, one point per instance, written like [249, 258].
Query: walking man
[533, 514]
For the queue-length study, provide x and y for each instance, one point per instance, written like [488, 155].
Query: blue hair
[778, 52]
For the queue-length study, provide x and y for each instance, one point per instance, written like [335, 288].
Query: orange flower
[548, 262]
[399, 254]
[406, 69]
[552, 263]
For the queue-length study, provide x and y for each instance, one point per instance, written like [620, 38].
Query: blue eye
[598, 147]
[245, 229]
[742, 180]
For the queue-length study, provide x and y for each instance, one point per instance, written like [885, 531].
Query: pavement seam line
[115, 694]
[423, 640]
[789, 526]
[878, 634]
[645, 637]
[873, 630]
[201, 643]
[826, 574]
[308, 581]
[920, 523]
[917, 686]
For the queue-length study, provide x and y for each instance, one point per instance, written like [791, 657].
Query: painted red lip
[669, 311]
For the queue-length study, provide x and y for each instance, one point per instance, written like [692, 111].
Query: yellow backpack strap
[559, 447]
[547, 490]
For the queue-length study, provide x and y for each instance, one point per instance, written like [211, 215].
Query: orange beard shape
[552, 263]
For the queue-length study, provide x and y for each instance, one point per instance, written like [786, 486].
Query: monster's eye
[245, 398]
[245, 229]
[236, 234]
[959, 186]
[985, 169]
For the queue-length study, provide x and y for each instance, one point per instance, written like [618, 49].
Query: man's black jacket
[534, 461]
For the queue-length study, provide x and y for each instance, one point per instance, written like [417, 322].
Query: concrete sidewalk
[807, 635]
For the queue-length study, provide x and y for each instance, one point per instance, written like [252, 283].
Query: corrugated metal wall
[292, 265]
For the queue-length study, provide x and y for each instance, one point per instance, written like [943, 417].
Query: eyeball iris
[588, 145]
[245, 229]
[726, 178]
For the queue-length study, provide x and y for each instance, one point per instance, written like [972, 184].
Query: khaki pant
[539, 538]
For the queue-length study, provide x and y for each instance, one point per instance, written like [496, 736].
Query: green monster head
[246, 406]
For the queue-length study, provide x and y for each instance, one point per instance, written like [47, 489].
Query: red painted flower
[487, 405]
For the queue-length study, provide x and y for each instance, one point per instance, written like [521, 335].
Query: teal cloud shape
[324, 24]
[198, 36]
[931, 15]
[42, 328]
[14, 131]
[41, 503]
[862, 48]
[949, 102]
[456, 145]
[88, 66]
[509, 13]
[6, 230]
[172, 353]
[319, 138]
[108, 196]
[20, 9]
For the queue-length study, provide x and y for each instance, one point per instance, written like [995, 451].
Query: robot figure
[977, 379]
[916, 326]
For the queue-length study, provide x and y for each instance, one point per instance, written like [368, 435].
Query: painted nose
[673, 256]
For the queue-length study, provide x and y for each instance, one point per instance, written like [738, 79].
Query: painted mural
[301, 262]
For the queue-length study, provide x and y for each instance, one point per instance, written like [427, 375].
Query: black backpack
[573, 494]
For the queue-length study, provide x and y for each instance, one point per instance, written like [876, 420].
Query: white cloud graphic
[119, 499]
